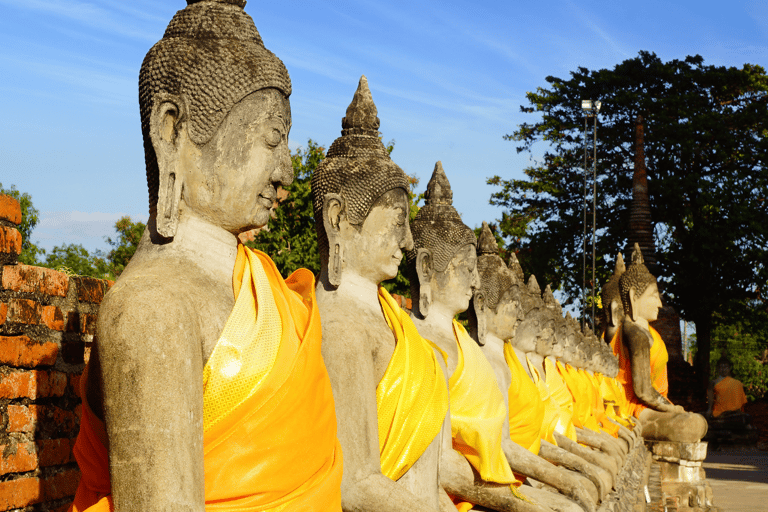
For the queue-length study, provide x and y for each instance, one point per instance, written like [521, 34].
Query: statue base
[629, 491]
[682, 484]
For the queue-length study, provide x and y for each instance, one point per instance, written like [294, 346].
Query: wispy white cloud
[588, 21]
[85, 13]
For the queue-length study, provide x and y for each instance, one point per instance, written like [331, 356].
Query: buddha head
[537, 327]
[639, 291]
[443, 261]
[360, 200]
[496, 306]
[610, 297]
[567, 331]
[215, 119]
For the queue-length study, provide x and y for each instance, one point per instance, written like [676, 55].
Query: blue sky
[448, 79]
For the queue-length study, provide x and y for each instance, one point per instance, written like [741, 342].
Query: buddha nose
[475, 279]
[408, 242]
[283, 173]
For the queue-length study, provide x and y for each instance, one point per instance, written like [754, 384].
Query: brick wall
[47, 323]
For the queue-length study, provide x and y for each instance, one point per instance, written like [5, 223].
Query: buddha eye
[273, 138]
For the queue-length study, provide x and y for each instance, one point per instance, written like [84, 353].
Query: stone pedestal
[683, 482]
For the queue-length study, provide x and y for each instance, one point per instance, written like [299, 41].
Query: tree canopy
[706, 152]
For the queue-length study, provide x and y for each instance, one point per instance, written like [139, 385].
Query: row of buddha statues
[324, 394]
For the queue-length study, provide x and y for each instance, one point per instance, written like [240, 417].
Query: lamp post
[591, 109]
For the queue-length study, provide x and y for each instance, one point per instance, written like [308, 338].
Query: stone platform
[677, 479]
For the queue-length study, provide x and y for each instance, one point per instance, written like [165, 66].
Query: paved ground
[739, 479]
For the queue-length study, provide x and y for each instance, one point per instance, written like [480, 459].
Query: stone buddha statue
[613, 312]
[499, 296]
[443, 271]
[643, 360]
[389, 389]
[201, 345]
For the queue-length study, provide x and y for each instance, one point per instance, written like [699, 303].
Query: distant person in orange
[725, 393]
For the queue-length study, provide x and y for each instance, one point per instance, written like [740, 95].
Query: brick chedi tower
[668, 322]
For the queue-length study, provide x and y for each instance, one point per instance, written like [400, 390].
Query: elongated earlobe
[165, 121]
[632, 304]
[424, 274]
[477, 318]
[333, 205]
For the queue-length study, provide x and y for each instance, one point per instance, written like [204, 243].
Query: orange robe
[269, 422]
[598, 405]
[659, 358]
[729, 396]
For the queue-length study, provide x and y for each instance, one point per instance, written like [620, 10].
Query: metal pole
[594, 214]
[584, 235]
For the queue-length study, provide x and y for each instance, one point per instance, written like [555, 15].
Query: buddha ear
[479, 326]
[164, 131]
[613, 306]
[333, 206]
[632, 303]
[424, 271]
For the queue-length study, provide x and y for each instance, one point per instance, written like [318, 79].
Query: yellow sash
[551, 410]
[477, 411]
[526, 409]
[562, 397]
[412, 398]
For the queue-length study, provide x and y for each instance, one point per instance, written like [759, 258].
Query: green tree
[124, 245]
[705, 152]
[290, 238]
[74, 259]
[29, 219]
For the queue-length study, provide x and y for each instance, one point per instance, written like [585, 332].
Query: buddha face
[232, 179]
[560, 339]
[530, 330]
[375, 249]
[503, 322]
[546, 339]
[647, 304]
[453, 287]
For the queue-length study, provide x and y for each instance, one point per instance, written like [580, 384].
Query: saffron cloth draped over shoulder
[411, 398]
[268, 418]
[562, 397]
[477, 411]
[659, 358]
[551, 421]
[526, 409]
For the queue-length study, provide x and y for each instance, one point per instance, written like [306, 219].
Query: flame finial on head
[486, 244]
[438, 189]
[514, 266]
[620, 267]
[362, 115]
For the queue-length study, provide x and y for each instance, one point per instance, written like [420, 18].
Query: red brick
[53, 318]
[61, 485]
[20, 493]
[26, 278]
[87, 324]
[32, 384]
[10, 240]
[3, 312]
[74, 383]
[22, 418]
[10, 209]
[22, 311]
[17, 459]
[21, 351]
[90, 289]
[53, 452]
